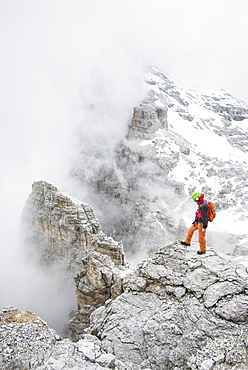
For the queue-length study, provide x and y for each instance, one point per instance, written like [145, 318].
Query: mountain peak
[179, 141]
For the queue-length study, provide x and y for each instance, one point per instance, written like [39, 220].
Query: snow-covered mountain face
[179, 142]
[214, 127]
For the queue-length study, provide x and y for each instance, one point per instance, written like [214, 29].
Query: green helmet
[196, 196]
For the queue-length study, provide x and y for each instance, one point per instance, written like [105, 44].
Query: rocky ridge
[178, 311]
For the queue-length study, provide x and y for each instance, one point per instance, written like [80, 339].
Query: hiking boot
[183, 243]
[201, 252]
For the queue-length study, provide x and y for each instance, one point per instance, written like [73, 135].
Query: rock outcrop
[26, 342]
[178, 311]
[98, 281]
[64, 230]
[147, 118]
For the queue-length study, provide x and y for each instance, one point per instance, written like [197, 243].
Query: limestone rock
[147, 118]
[98, 281]
[179, 310]
[64, 230]
[28, 343]
[78, 322]
[26, 340]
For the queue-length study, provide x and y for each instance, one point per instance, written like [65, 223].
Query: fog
[74, 69]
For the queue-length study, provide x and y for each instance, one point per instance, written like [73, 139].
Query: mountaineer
[200, 223]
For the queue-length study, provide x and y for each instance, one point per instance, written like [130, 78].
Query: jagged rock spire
[61, 229]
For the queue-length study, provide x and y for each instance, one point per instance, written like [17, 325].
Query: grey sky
[197, 43]
[75, 63]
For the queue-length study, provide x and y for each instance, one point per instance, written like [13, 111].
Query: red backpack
[211, 211]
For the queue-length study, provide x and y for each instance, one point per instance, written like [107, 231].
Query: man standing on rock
[200, 223]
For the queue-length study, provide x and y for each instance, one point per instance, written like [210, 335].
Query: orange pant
[201, 235]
